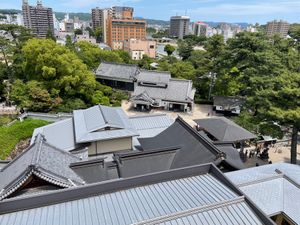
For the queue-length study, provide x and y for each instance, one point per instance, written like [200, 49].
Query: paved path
[199, 112]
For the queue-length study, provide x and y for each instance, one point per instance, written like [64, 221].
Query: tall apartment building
[121, 12]
[99, 20]
[121, 27]
[200, 29]
[179, 26]
[278, 27]
[38, 19]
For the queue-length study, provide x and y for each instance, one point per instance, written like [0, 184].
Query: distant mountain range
[88, 17]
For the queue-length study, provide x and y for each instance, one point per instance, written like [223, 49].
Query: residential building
[278, 27]
[99, 20]
[13, 18]
[121, 30]
[155, 89]
[179, 26]
[85, 37]
[139, 48]
[38, 19]
[200, 29]
[123, 13]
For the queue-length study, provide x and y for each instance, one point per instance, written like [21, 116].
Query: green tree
[50, 35]
[78, 32]
[184, 49]
[59, 72]
[280, 102]
[98, 34]
[169, 49]
[69, 42]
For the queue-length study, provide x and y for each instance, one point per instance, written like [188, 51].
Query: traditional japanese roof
[41, 160]
[159, 78]
[194, 148]
[149, 125]
[59, 134]
[228, 102]
[115, 71]
[177, 90]
[274, 188]
[101, 123]
[224, 129]
[135, 163]
[200, 192]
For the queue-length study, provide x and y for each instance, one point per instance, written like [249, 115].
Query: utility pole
[213, 77]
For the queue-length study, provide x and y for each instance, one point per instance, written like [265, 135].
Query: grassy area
[5, 119]
[10, 136]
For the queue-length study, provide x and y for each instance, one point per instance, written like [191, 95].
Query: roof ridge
[104, 118]
[197, 135]
[192, 211]
[121, 64]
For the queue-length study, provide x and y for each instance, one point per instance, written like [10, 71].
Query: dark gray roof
[194, 148]
[178, 90]
[201, 192]
[274, 188]
[115, 71]
[228, 102]
[157, 77]
[42, 160]
[143, 162]
[91, 124]
[224, 129]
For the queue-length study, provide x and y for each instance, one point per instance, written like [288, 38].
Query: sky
[250, 11]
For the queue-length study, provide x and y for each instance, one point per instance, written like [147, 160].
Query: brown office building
[99, 20]
[278, 27]
[122, 27]
[38, 19]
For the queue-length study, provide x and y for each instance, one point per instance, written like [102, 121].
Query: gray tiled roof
[150, 76]
[60, 134]
[194, 148]
[224, 129]
[177, 90]
[228, 102]
[91, 124]
[115, 71]
[274, 188]
[42, 160]
[149, 125]
[192, 193]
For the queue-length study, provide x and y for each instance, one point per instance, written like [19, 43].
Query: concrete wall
[102, 147]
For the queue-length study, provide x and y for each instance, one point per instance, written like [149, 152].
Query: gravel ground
[199, 112]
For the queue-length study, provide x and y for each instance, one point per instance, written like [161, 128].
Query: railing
[46, 116]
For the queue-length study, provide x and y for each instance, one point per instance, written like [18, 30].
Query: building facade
[278, 27]
[120, 12]
[200, 29]
[99, 20]
[38, 19]
[179, 26]
[121, 30]
[139, 48]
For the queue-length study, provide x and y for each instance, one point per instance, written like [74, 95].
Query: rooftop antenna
[185, 12]
[39, 2]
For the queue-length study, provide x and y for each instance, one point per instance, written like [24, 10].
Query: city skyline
[207, 10]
